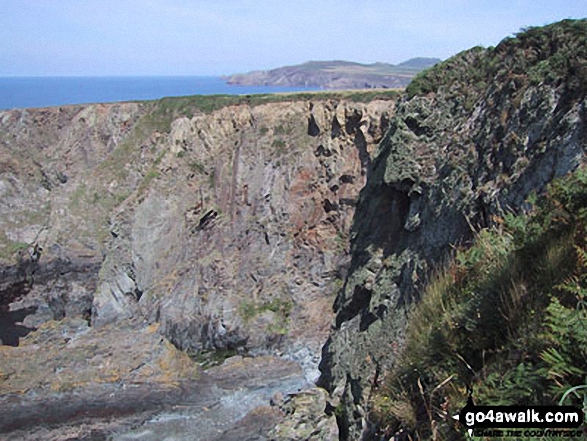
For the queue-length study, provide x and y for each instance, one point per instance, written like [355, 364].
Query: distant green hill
[419, 63]
[336, 74]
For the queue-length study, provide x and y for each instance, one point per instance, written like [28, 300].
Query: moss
[279, 306]
[281, 328]
[77, 196]
[247, 310]
[9, 248]
[152, 174]
[208, 359]
[198, 167]
[279, 145]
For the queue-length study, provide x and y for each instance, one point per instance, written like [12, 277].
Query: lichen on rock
[475, 136]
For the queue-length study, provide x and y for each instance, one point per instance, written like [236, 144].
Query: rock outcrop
[474, 137]
[226, 231]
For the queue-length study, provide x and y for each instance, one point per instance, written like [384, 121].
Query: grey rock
[443, 170]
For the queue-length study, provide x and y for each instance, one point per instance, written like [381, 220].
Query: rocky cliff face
[473, 138]
[225, 230]
[52, 246]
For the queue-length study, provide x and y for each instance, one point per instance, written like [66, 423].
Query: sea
[24, 92]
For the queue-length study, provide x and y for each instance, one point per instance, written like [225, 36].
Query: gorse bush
[506, 317]
[554, 54]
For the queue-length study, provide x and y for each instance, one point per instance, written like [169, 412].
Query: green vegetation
[280, 146]
[8, 248]
[507, 317]
[280, 130]
[554, 54]
[248, 310]
[151, 175]
[208, 359]
[115, 165]
[166, 110]
[280, 307]
[198, 167]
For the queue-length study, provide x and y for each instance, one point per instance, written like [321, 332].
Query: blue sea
[20, 92]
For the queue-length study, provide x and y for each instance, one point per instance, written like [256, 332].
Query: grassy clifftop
[165, 110]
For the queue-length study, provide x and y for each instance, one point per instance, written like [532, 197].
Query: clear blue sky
[209, 37]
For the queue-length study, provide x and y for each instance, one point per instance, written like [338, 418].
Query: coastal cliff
[472, 139]
[169, 268]
[220, 224]
[337, 75]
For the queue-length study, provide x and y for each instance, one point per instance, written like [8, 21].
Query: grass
[198, 167]
[164, 111]
[10, 248]
[280, 146]
[248, 309]
[208, 359]
[280, 307]
[507, 317]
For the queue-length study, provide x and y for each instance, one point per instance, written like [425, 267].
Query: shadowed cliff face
[475, 136]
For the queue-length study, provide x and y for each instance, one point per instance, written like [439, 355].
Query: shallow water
[211, 418]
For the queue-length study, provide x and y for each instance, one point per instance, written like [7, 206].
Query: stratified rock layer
[227, 227]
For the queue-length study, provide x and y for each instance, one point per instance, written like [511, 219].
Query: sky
[216, 37]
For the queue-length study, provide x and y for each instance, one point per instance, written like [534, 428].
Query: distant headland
[336, 75]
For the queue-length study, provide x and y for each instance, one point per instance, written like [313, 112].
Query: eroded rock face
[224, 232]
[237, 242]
[458, 152]
[51, 248]
[230, 229]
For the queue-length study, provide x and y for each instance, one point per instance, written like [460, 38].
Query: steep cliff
[472, 139]
[222, 222]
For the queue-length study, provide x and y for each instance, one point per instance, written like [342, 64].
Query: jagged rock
[210, 225]
[305, 418]
[189, 225]
[466, 145]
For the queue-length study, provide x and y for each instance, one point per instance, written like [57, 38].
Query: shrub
[507, 317]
